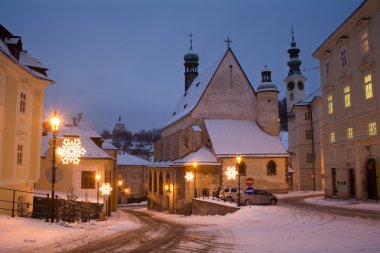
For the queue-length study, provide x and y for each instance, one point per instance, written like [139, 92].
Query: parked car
[230, 194]
[260, 197]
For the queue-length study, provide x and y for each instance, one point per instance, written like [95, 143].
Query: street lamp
[238, 162]
[54, 126]
[97, 193]
[119, 183]
[195, 179]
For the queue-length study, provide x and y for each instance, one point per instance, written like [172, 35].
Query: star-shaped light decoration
[231, 173]
[71, 151]
[105, 189]
[189, 176]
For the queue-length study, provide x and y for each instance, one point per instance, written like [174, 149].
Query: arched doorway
[371, 180]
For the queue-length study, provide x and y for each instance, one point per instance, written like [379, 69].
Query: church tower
[191, 65]
[267, 100]
[295, 89]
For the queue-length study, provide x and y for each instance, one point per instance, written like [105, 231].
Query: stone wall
[203, 208]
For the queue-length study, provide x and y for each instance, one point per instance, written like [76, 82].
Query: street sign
[312, 176]
[250, 190]
[249, 181]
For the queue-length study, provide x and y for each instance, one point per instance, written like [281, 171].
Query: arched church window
[291, 96]
[161, 185]
[150, 181]
[271, 168]
[155, 182]
[167, 178]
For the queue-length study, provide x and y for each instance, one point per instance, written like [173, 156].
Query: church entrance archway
[372, 180]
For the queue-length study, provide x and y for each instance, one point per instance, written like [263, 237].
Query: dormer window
[174, 113]
[184, 106]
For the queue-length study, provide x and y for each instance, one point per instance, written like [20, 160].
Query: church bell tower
[191, 65]
[295, 81]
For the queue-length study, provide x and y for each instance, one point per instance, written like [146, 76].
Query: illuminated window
[368, 86]
[350, 133]
[330, 104]
[19, 154]
[364, 42]
[372, 129]
[332, 137]
[22, 102]
[328, 70]
[347, 96]
[343, 58]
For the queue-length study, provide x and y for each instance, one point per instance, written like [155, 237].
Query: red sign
[312, 176]
[249, 181]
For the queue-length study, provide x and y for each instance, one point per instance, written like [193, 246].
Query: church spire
[294, 63]
[191, 65]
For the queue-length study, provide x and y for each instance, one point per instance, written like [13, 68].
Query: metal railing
[16, 203]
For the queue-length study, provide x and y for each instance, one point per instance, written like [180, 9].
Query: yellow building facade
[23, 80]
[350, 75]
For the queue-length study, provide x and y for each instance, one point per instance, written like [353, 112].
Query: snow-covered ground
[21, 232]
[257, 228]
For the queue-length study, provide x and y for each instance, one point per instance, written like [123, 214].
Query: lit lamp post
[54, 126]
[238, 161]
[195, 179]
[97, 194]
[119, 183]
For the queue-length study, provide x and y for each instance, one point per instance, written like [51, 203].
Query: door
[352, 183]
[371, 180]
[334, 188]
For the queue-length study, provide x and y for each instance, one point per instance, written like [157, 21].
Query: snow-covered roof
[28, 60]
[192, 96]
[202, 156]
[284, 139]
[107, 144]
[309, 99]
[242, 137]
[127, 159]
[161, 164]
[92, 150]
[196, 128]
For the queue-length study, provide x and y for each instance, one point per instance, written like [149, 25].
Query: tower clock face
[291, 85]
[300, 85]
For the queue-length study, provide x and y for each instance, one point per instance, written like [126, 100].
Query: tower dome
[266, 81]
[191, 65]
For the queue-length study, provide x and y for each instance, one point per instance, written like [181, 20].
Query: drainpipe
[312, 144]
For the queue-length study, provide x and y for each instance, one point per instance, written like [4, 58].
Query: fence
[16, 202]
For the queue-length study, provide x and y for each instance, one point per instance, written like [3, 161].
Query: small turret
[191, 65]
[267, 99]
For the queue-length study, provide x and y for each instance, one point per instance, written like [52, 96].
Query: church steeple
[191, 65]
[295, 80]
[294, 63]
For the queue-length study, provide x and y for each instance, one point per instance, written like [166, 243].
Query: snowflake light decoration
[105, 189]
[189, 176]
[231, 173]
[71, 151]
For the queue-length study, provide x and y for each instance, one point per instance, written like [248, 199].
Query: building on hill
[23, 80]
[132, 173]
[304, 127]
[350, 74]
[219, 117]
[79, 179]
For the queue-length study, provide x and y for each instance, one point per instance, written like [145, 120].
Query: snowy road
[298, 202]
